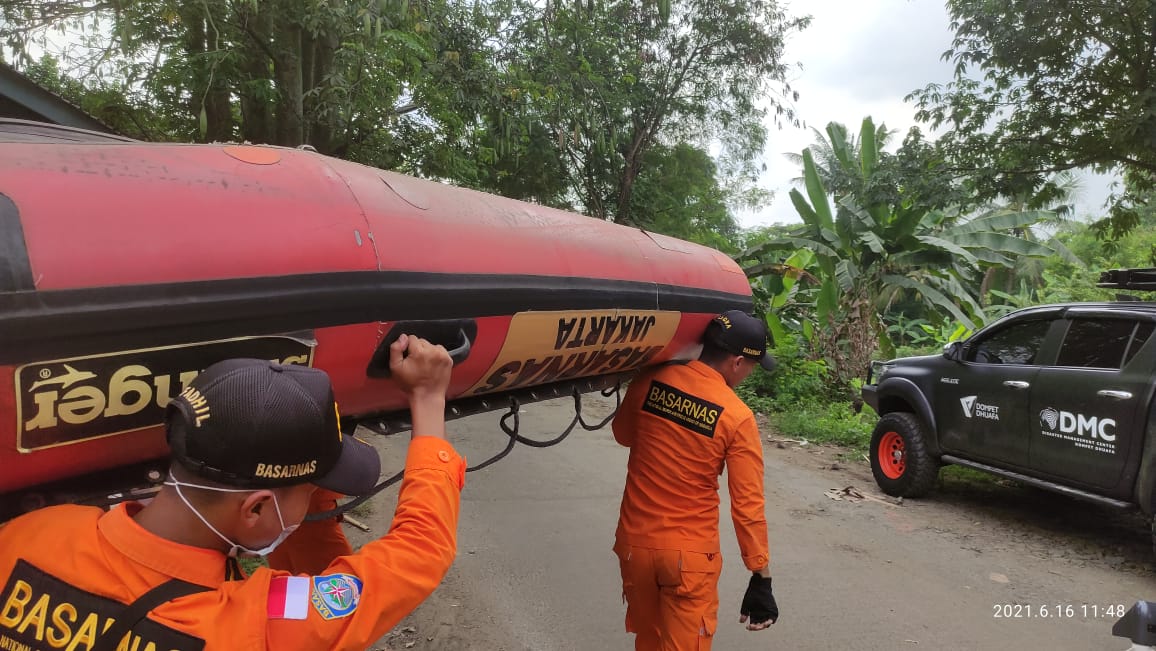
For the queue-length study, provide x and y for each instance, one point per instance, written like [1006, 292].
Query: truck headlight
[878, 369]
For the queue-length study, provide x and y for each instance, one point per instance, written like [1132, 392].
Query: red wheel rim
[892, 455]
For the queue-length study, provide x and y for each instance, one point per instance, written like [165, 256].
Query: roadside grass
[801, 401]
[965, 475]
[832, 422]
[363, 510]
[819, 422]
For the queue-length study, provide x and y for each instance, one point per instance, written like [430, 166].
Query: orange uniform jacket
[65, 569]
[682, 423]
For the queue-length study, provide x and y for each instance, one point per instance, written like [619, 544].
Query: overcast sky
[860, 58]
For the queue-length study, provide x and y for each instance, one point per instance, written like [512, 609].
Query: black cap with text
[742, 334]
[251, 423]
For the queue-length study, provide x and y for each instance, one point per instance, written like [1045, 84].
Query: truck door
[987, 412]
[1087, 409]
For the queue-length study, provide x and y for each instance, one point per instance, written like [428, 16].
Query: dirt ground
[970, 567]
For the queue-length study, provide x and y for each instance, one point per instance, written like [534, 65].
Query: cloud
[861, 58]
[897, 49]
[857, 59]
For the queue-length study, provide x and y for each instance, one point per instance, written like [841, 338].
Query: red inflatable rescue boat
[126, 267]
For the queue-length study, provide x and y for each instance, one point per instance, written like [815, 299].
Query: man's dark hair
[712, 353]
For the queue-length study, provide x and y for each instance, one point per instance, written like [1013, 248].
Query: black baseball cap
[737, 332]
[251, 423]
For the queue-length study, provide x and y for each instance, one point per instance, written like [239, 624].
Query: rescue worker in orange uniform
[253, 444]
[683, 423]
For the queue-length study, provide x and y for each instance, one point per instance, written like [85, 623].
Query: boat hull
[125, 268]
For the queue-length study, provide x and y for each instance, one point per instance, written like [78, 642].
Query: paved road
[535, 570]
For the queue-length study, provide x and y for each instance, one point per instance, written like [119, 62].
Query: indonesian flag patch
[289, 597]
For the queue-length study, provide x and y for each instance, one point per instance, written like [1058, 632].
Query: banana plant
[869, 252]
[783, 286]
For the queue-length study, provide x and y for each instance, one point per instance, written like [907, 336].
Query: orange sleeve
[315, 544]
[744, 459]
[362, 596]
[625, 423]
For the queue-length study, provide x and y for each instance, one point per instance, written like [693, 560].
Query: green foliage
[108, 100]
[797, 379]
[779, 290]
[830, 422]
[606, 107]
[874, 246]
[385, 82]
[1042, 87]
[1065, 282]
[251, 565]
[611, 80]
[678, 194]
[932, 339]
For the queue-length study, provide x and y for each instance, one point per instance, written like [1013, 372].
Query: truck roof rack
[1143, 280]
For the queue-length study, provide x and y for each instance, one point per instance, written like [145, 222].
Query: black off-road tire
[900, 460]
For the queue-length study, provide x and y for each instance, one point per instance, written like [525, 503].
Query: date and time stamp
[1058, 611]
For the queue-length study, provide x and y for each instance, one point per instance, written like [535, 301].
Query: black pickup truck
[1057, 396]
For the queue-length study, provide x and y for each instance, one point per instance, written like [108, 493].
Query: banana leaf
[930, 295]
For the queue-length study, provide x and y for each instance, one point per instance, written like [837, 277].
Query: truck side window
[1143, 331]
[1096, 344]
[1016, 344]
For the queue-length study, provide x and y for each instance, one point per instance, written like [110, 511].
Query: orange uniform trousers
[671, 597]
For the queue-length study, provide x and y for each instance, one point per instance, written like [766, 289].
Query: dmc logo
[1078, 424]
[1050, 417]
[967, 404]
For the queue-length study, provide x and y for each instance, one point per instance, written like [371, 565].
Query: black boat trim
[55, 324]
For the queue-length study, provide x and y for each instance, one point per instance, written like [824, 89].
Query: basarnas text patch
[681, 408]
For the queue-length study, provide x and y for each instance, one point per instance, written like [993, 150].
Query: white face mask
[235, 549]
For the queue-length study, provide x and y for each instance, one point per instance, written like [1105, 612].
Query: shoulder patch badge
[335, 595]
[683, 409]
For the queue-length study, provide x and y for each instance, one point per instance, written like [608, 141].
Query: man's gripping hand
[759, 604]
[422, 370]
[419, 367]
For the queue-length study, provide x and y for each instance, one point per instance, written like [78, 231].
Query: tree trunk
[218, 107]
[644, 128]
[322, 119]
[255, 60]
[289, 79]
[209, 95]
[850, 340]
[625, 189]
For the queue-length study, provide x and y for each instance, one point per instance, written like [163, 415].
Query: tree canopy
[1042, 87]
[570, 104]
[874, 243]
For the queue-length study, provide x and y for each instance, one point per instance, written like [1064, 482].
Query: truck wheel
[899, 458]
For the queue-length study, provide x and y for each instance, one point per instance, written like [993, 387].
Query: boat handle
[1115, 395]
[1016, 384]
[456, 335]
